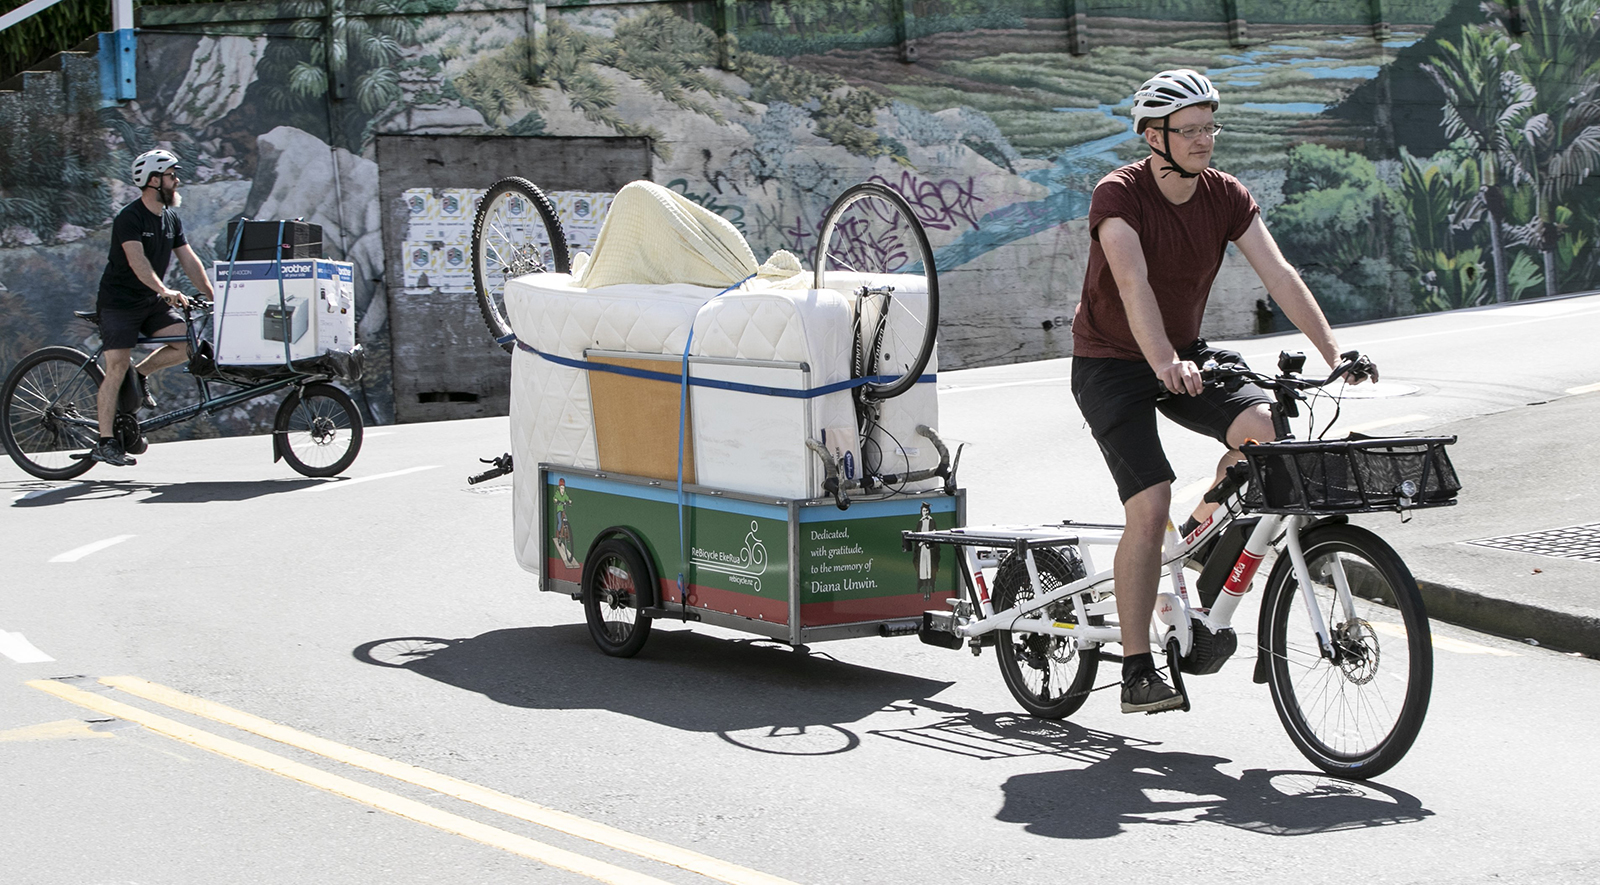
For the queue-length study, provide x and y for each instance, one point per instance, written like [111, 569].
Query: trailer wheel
[615, 587]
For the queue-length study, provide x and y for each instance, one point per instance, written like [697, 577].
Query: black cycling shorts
[120, 328]
[1118, 399]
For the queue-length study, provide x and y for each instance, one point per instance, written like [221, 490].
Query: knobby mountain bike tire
[515, 232]
[871, 238]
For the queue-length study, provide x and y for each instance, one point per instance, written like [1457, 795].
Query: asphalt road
[383, 619]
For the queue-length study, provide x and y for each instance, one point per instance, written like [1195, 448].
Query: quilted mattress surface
[743, 441]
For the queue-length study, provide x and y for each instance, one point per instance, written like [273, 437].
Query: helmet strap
[1172, 164]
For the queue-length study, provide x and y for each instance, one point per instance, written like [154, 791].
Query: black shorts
[120, 327]
[1118, 400]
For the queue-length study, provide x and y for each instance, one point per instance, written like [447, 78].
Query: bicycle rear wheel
[318, 430]
[1357, 715]
[1050, 676]
[48, 414]
[515, 233]
[871, 239]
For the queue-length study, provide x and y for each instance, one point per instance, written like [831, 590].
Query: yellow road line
[494, 800]
[380, 799]
[1447, 643]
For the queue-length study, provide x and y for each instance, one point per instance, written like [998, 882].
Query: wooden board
[636, 420]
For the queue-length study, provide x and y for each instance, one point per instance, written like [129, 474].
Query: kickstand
[1177, 672]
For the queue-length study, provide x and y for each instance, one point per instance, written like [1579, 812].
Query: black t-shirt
[159, 234]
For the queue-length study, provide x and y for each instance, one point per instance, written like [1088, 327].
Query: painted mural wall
[1409, 155]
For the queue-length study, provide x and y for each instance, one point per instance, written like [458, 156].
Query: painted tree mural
[1439, 159]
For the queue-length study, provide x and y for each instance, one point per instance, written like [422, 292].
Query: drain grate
[1573, 542]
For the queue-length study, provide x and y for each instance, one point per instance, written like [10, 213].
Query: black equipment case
[301, 239]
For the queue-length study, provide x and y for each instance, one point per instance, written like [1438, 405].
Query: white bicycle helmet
[152, 163]
[1169, 92]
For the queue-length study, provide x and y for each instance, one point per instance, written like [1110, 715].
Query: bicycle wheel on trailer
[318, 430]
[1050, 676]
[871, 240]
[48, 416]
[515, 233]
[1356, 715]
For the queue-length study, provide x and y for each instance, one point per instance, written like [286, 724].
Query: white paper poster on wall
[437, 246]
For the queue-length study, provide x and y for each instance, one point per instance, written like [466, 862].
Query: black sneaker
[110, 451]
[146, 401]
[1146, 693]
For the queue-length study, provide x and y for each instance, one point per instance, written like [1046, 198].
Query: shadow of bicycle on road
[754, 693]
[28, 494]
[1135, 786]
[1118, 782]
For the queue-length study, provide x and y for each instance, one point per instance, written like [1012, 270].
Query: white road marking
[38, 493]
[1387, 422]
[1587, 388]
[80, 552]
[339, 484]
[17, 647]
[1056, 380]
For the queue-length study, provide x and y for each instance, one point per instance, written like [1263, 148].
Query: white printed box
[268, 312]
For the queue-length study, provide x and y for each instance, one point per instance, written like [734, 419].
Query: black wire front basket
[1354, 475]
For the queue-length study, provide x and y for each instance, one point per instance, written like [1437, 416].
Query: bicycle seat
[92, 316]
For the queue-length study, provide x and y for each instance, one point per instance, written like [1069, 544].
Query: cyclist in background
[1158, 230]
[133, 298]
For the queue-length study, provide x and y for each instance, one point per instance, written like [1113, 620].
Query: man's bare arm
[1125, 256]
[191, 265]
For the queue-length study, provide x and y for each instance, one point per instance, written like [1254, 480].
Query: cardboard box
[270, 311]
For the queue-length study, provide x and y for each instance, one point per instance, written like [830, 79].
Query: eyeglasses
[1192, 132]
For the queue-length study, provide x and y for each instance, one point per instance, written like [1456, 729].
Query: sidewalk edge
[1503, 617]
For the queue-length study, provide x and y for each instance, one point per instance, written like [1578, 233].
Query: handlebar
[502, 466]
[1352, 363]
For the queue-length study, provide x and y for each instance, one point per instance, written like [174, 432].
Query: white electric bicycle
[1343, 640]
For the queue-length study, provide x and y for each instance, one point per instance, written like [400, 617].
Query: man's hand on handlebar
[1357, 367]
[175, 298]
[1182, 377]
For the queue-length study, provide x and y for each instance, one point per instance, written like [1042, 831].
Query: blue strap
[678, 377]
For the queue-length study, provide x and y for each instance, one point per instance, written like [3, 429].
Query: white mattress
[758, 334]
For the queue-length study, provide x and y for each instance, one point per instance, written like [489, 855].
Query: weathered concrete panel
[445, 365]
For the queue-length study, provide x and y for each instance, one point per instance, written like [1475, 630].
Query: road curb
[1504, 617]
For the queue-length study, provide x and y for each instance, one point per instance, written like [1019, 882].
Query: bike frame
[1092, 596]
[208, 403]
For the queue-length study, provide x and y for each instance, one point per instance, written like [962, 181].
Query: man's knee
[1147, 511]
[117, 361]
[1254, 423]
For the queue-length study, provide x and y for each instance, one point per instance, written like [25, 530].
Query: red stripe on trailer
[773, 610]
[877, 608]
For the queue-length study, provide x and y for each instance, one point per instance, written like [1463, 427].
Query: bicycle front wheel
[515, 233]
[1050, 676]
[318, 430]
[1356, 715]
[872, 244]
[48, 418]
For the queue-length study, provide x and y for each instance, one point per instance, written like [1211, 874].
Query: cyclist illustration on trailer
[1158, 229]
[133, 298]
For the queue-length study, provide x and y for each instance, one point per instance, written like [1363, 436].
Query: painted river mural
[1409, 155]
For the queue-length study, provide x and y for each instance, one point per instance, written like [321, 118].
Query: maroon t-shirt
[1183, 248]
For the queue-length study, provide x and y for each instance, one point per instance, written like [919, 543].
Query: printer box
[268, 312]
